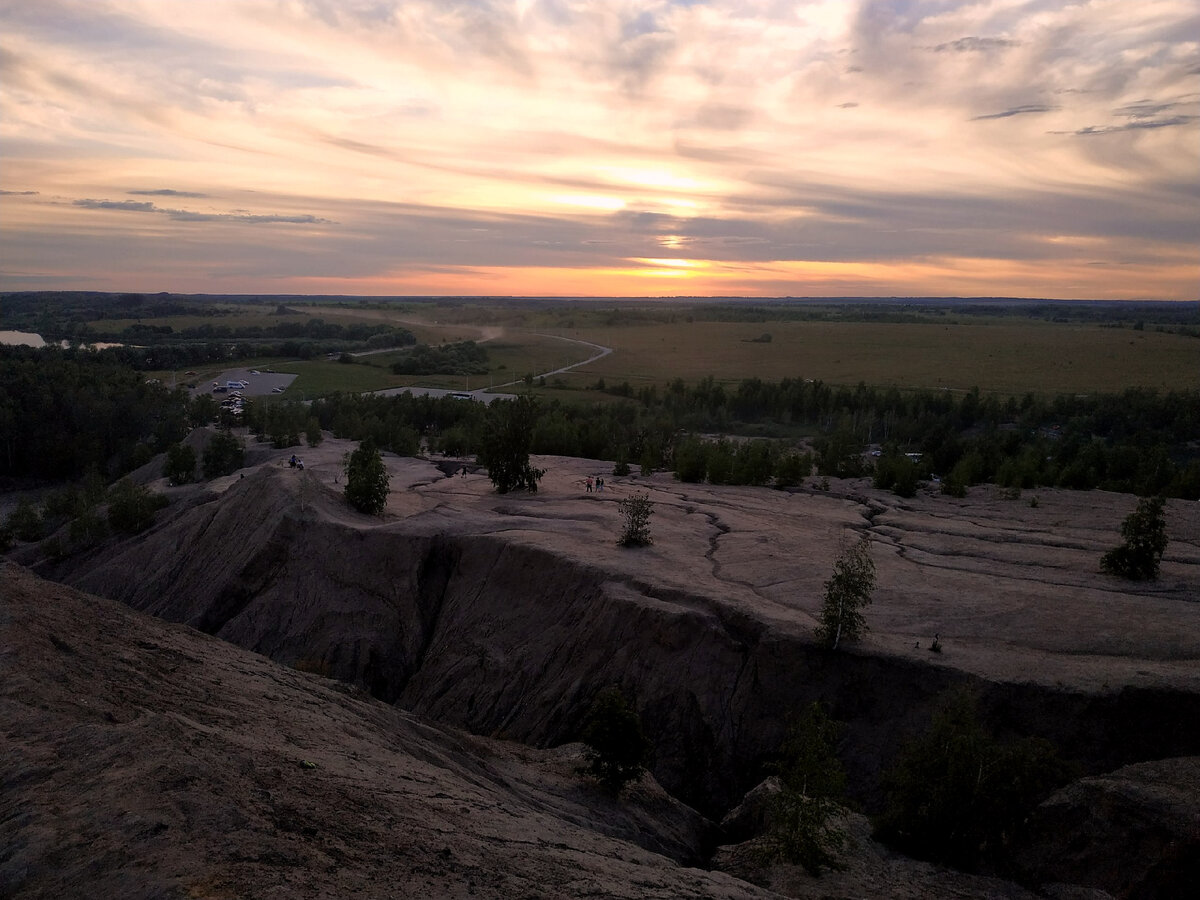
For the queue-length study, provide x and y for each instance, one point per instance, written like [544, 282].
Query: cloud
[184, 215]
[4, 193]
[1018, 111]
[448, 133]
[1138, 124]
[166, 192]
[124, 205]
[975, 45]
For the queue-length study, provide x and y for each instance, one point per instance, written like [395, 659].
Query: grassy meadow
[1005, 356]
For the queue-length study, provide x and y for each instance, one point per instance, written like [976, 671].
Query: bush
[312, 432]
[792, 468]
[131, 507]
[88, 529]
[616, 746]
[224, 455]
[180, 466]
[24, 522]
[636, 511]
[366, 479]
[846, 593]
[1145, 533]
[812, 781]
[959, 796]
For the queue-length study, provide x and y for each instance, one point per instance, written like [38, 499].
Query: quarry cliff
[504, 615]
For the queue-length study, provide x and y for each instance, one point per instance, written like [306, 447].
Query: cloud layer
[602, 147]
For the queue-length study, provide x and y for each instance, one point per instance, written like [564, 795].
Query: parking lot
[256, 385]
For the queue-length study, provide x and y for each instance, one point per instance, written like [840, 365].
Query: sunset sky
[602, 147]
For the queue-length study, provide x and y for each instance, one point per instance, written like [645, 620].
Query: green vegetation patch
[316, 378]
[1009, 358]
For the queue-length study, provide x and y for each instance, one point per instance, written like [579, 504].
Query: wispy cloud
[384, 142]
[1024, 109]
[166, 192]
[974, 45]
[187, 215]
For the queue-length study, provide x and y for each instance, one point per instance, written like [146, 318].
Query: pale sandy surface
[1014, 592]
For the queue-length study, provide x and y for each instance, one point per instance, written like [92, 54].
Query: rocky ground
[148, 760]
[504, 614]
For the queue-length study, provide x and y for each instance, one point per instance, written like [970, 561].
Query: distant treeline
[1140, 441]
[63, 315]
[63, 411]
[68, 316]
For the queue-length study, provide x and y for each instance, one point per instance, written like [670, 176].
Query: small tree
[88, 528]
[811, 784]
[1145, 533]
[223, 455]
[960, 796]
[616, 746]
[312, 432]
[180, 467]
[846, 593]
[366, 479]
[507, 438]
[25, 522]
[636, 511]
[131, 507]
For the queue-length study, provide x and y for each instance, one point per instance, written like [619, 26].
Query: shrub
[180, 466]
[1145, 533]
[312, 432]
[223, 455]
[812, 781]
[24, 522]
[792, 468]
[131, 507]
[88, 529]
[636, 511]
[366, 479]
[957, 795]
[616, 746]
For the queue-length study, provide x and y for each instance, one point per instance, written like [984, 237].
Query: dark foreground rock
[145, 760]
[1134, 833]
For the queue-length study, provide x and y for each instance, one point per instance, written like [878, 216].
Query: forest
[64, 412]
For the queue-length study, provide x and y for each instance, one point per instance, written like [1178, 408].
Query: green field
[1004, 355]
[315, 378]
[952, 350]
[1008, 358]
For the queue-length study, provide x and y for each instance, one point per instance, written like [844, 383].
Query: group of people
[295, 462]
[597, 483]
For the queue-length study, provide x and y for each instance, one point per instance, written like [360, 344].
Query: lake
[29, 339]
[21, 339]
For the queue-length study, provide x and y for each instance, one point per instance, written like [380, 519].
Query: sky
[602, 147]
